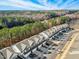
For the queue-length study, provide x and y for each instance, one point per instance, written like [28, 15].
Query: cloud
[38, 4]
[22, 4]
[67, 3]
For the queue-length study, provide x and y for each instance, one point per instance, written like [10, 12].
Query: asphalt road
[71, 48]
[74, 51]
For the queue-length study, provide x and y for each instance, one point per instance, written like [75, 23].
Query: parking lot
[51, 48]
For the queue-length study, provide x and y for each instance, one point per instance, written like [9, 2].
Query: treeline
[13, 35]
[10, 22]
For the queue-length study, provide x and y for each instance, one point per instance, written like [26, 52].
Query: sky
[38, 4]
